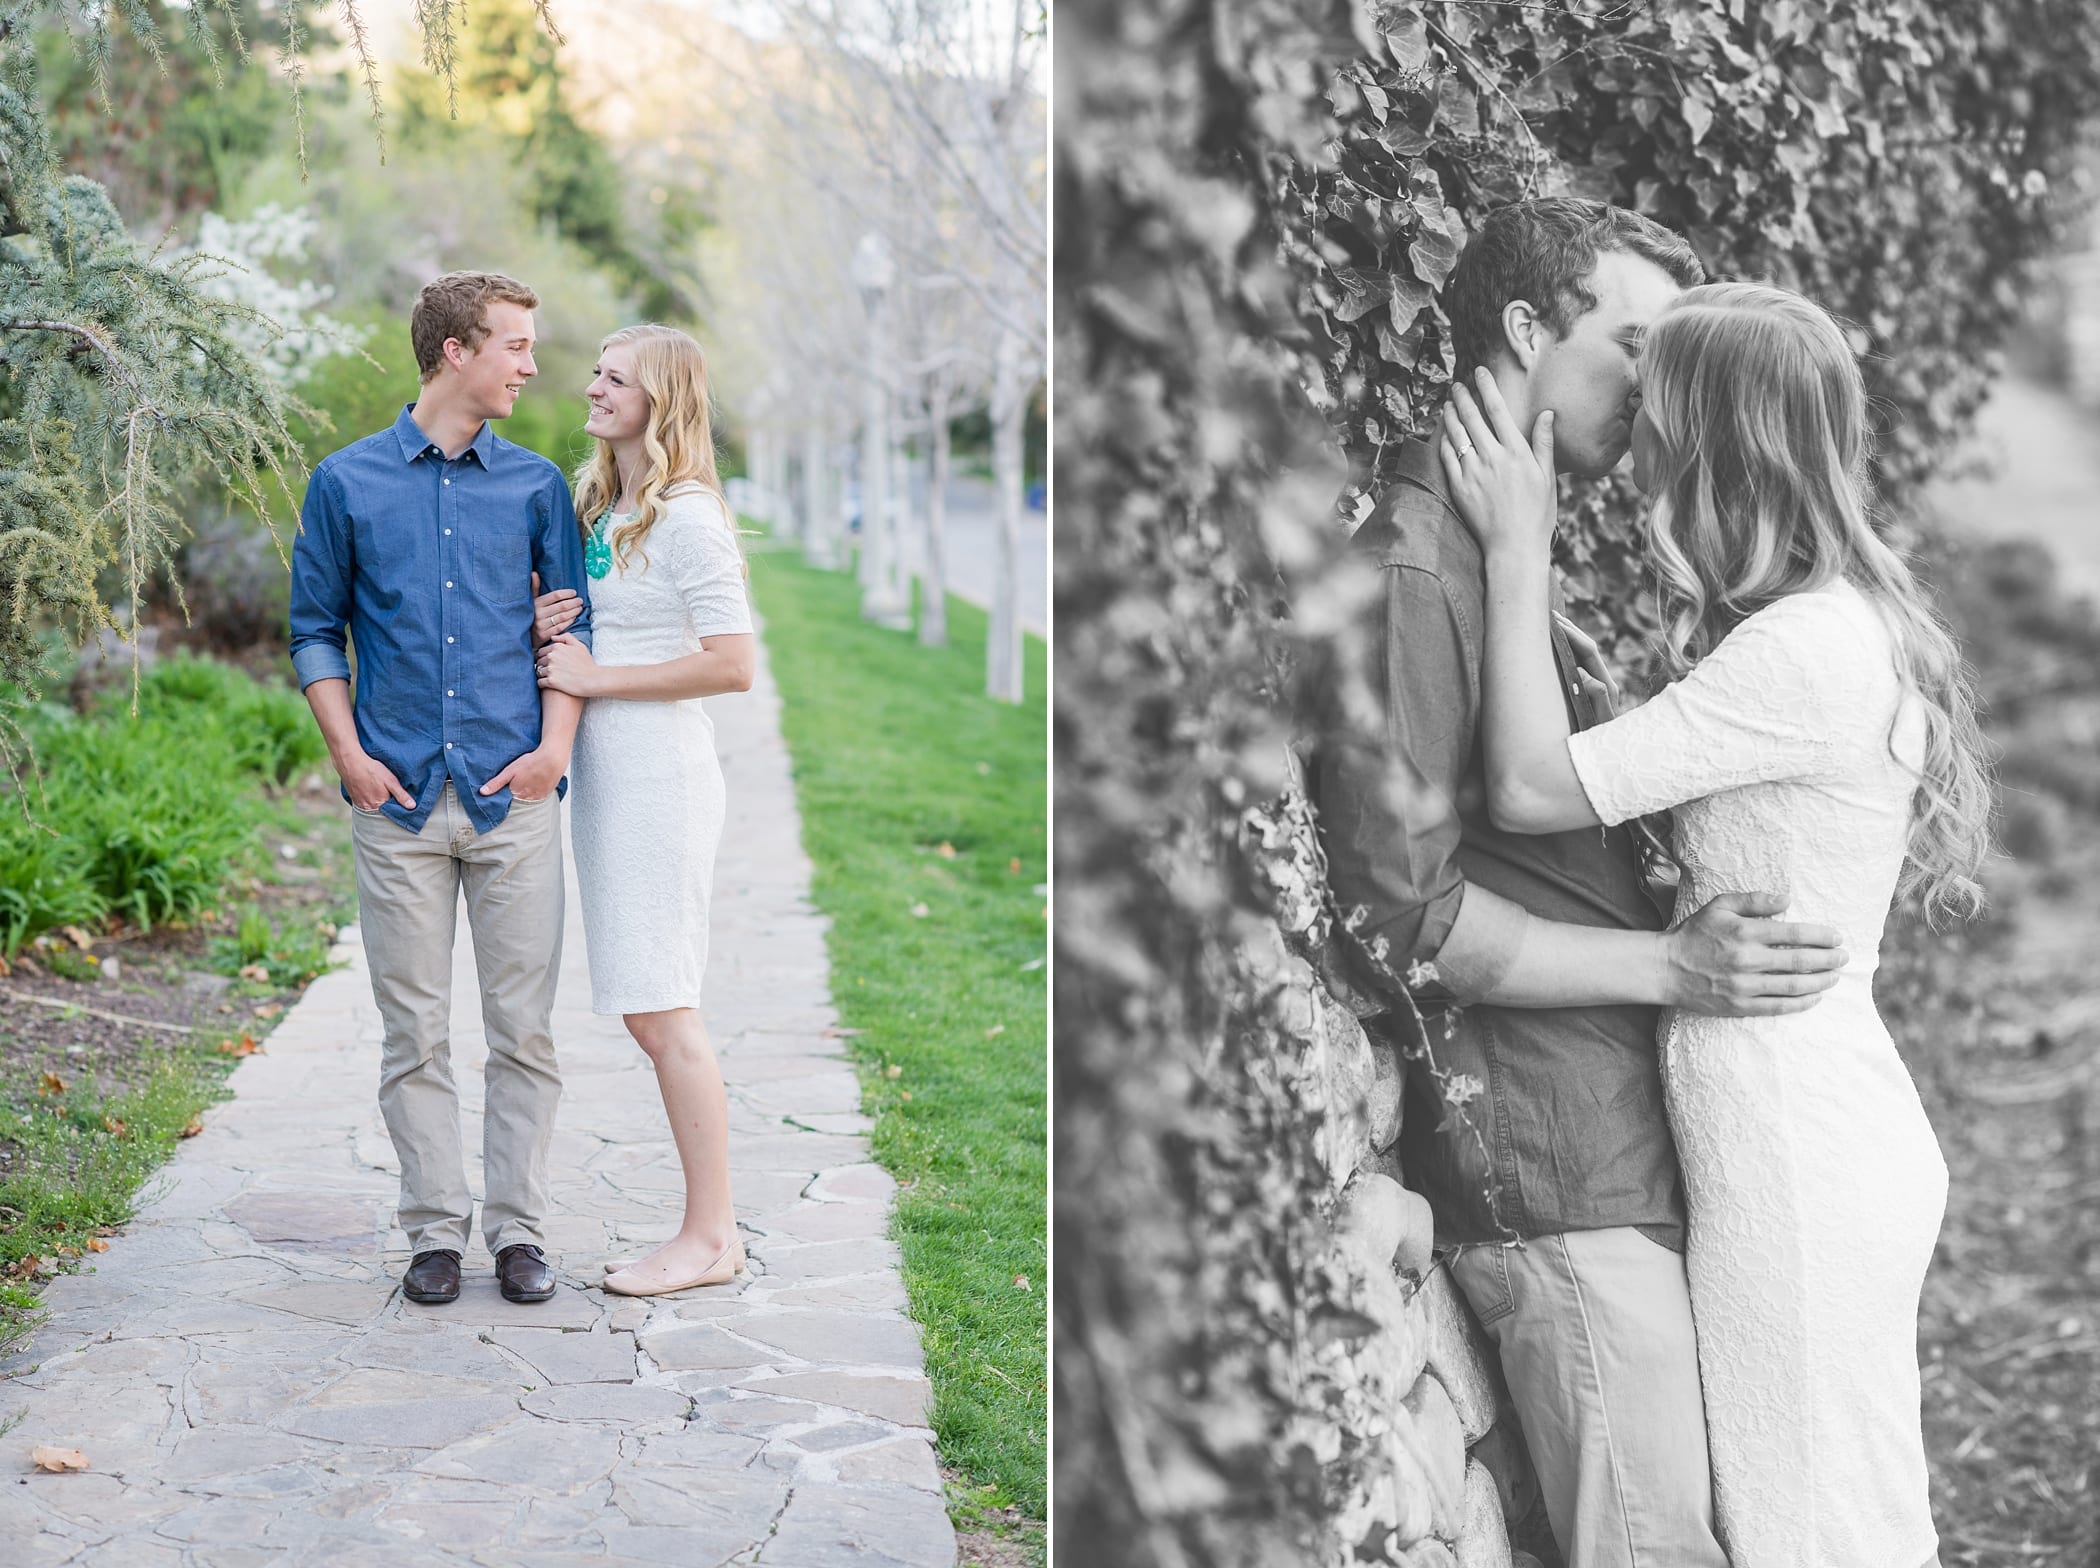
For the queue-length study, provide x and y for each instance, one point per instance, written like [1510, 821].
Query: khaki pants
[408, 887]
[1595, 1330]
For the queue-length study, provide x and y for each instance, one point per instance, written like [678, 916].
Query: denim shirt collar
[415, 444]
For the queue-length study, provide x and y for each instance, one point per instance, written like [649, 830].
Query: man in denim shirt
[421, 543]
[1544, 955]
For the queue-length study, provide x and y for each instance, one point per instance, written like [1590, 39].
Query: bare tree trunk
[768, 477]
[933, 577]
[1002, 654]
[880, 600]
[779, 502]
[754, 465]
[820, 512]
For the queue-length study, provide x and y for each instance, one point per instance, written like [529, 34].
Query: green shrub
[43, 880]
[292, 956]
[258, 728]
[147, 815]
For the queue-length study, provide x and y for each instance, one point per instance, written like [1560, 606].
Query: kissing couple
[1695, 1206]
[423, 546]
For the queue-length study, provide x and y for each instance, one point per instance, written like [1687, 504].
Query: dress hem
[652, 1006]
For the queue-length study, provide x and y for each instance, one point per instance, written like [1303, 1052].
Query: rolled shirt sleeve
[322, 567]
[557, 555]
[1387, 801]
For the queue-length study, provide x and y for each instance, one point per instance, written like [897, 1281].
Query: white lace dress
[1813, 1183]
[646, 798]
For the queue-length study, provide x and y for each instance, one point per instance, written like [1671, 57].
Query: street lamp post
[883, 600]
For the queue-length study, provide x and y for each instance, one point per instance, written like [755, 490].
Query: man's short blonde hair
[456, 306]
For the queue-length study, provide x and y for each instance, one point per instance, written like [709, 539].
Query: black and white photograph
[1576, 704]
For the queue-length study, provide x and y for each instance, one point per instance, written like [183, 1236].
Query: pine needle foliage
[119, 383]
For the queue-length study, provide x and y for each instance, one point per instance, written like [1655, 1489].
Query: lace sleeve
[1781, 698]
[707, 565]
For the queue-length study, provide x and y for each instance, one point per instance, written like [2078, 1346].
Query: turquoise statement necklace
[597, 553]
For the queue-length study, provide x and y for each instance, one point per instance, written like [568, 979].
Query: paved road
[2044, 483]
[250, 1387]
[971, 530]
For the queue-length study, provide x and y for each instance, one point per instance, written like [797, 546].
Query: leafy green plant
[68, 962]
[148, 816]
[290, 955]
[43, 880]
[260, 728]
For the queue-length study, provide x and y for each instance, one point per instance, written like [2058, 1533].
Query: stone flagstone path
[250, 1387]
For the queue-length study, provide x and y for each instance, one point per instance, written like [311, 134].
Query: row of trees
[878, 270]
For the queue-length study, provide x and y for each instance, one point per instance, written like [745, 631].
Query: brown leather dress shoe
[432, 1277]
[523, 1272]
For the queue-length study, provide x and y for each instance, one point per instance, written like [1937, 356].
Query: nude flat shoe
[720, 1272]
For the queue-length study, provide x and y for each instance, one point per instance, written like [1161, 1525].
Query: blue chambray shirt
[428, 564]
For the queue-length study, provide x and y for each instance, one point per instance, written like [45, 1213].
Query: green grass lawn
[924, 809]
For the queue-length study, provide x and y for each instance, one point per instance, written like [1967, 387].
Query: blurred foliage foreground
[1265, 199]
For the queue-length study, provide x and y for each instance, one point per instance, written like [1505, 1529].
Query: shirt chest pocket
[496, 560]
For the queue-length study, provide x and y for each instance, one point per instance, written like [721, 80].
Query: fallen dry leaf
[894, 1070]
[79, 938]
[3, 965]
[995, 1031]
[113, 1125]
[904, 1094]
[244, 1046]
[254, 972]
[50, 1083]
[946, 850]
[97, 1244]
[58, 1460]
[192, 1127]
[920, 911]
[1021, 1282]
[27, 1267]
[1013, 866]
[269, 1009]
[68, 1252]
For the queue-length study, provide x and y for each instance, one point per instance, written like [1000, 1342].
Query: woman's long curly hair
[1761, 491]
[678, 444]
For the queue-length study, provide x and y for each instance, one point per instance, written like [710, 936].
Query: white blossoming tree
[282, 325]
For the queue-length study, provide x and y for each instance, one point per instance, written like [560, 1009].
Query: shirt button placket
[445, 614]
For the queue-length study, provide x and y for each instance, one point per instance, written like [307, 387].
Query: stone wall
[1452, 1483]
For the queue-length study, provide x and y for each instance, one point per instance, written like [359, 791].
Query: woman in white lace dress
[671, 625]
[1817, 741]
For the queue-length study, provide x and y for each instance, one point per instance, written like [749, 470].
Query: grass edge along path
[924, 813]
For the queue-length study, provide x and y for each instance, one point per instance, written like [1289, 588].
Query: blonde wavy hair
[678, 443]
[1761, 491]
